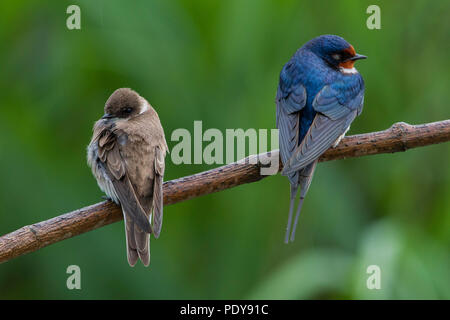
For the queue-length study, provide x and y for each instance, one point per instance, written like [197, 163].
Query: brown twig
[400, 137]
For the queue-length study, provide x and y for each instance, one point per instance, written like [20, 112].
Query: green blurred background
[219, 61]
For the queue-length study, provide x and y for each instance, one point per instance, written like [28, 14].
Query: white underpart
[340, 137]
[100, 175]
[348, 70]
[144, 106]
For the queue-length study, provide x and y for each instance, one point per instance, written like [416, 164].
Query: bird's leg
[106, 198]
[306, 175]
[291, 209]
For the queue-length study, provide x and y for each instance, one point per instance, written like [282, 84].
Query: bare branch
[400, 137]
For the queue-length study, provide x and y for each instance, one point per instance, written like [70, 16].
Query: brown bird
[126, 155]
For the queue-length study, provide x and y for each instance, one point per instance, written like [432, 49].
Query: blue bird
[319, 95]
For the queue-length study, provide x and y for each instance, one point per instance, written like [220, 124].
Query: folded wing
[290, 100]
[335, 113]
[158, 192]
[112, 163]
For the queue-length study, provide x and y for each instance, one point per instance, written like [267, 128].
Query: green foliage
[218, 61]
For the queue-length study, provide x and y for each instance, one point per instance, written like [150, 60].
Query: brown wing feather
[143, 245]
[132, 253]
[158, 192]
[113, 164]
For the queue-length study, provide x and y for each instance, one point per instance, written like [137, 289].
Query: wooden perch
[400, 137]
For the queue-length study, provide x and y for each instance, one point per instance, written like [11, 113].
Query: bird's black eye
[127, 110]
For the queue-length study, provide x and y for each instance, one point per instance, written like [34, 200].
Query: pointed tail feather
[299, 208]
[132, 254]
[143, 245]
[305, 178]
[138, 246]
[294, 189]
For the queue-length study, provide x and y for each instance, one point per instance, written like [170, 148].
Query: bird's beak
[107, 116]
[356, 57]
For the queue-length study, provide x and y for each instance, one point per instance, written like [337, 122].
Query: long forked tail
[294, 189]
[305, 178]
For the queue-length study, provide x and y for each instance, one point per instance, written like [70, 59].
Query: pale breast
[103, 180]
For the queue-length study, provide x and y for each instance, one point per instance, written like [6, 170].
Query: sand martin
[126, 155]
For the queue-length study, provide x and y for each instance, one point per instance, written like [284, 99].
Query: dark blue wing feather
[290, 100]
[336, 105]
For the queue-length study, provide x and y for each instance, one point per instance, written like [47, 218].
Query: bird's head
[335, 51]
[124, 103]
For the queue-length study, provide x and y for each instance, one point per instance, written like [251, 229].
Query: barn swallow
[126, 155]
[319, 95]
